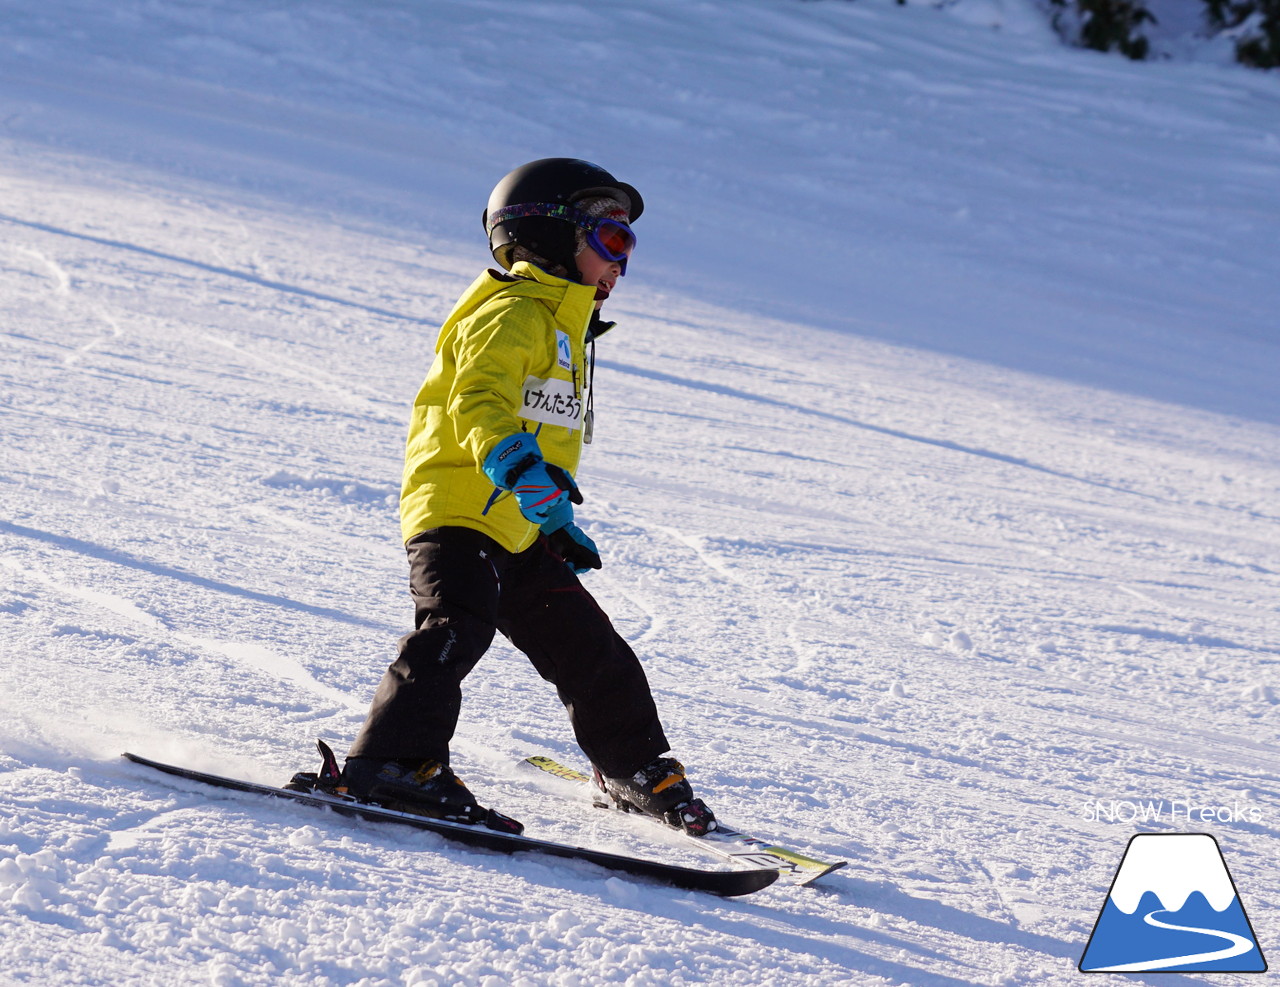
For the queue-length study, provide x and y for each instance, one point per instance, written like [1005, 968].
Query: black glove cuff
[572, 551]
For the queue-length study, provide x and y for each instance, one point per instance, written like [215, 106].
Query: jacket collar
[576, 302]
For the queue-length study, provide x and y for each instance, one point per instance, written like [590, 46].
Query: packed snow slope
[936, 474]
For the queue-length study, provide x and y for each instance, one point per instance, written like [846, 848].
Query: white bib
[551, 401]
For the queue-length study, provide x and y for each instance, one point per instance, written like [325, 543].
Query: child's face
[596, 271]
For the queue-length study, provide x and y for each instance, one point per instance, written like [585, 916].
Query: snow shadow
[226, 272]
[116, 557]
[732, 392]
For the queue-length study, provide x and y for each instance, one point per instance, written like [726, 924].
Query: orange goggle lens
[612, 240]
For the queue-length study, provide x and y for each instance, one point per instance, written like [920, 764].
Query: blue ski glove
[571, 543]
[542, 489]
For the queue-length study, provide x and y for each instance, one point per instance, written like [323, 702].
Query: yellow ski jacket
[510, 357]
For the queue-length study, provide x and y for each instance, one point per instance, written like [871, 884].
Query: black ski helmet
[556, 181]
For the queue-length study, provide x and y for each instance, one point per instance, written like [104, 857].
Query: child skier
[486, 511]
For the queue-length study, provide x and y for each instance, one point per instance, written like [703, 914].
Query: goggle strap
[552, 210]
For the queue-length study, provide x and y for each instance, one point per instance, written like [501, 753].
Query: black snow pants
[464, 587]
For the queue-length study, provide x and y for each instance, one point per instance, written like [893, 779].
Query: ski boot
[660, 789]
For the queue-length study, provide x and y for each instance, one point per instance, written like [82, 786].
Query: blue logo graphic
[1173, 908]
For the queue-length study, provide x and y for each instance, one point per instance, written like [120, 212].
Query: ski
[793, 868]
[725, 883]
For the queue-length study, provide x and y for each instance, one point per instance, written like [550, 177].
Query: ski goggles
[612, 239]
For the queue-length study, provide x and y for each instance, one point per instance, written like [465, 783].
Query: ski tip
[801, 877]
[747, 882]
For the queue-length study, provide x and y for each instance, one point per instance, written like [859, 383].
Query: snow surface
[936, 475]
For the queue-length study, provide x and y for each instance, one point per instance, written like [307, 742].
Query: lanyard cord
[588, 421]
[591, 375]
[597, 328]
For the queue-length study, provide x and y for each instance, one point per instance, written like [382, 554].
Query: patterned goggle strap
[592, 224]
[550, 209]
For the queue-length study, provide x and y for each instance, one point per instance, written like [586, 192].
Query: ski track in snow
[935, 477]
